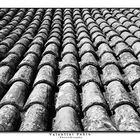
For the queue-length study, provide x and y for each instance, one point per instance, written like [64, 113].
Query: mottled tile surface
[69, 69]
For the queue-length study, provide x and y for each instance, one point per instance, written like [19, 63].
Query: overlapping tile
[69, 69]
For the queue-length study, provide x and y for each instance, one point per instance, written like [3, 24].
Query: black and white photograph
[69, 72]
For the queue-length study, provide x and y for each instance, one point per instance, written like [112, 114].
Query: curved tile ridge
[126, 119]
[69, 69]
[94, 106]
[125, 98]
[66, 122]
[126, 65]
[128, 60]
[6, 63]
[14, 22]
[97, 119]
[122, 49]
[128, 37]
[18, 31]
[9, 118]
[9, 15]
[22, 80]
[39, 102]
[34, 119]
[3, 11]
[67, 98]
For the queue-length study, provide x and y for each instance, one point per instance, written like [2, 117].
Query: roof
[69, 69]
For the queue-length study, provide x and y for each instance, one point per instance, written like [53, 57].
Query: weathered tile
[89, 74]
[111, 73]
[132, 74]
[46, 74]
[97, 119]
[126, 119]
[68, 74]
[67, 96]
[48, 59]
[41, 94]
[116, 95]
[91, 95]
[35, 118]
[69, 121]
[16, 95]
[9, 118]
[25, 74]
[69, 60]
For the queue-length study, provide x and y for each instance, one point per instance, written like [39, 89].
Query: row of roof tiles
[69, 70]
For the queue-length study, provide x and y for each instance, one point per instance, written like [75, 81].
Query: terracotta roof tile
[116, 95]
[132, 74]
[16, 95]
[46, 74]
[91, 95]
[127, 58]
[69, 69]
[110, 73]
[11, 60]
[126, 119]
[35, 119]
[97, 119]
[41, 94]
[89, 73]
[68, 74]
[69, 121]
[10, 117]
[67, 96]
